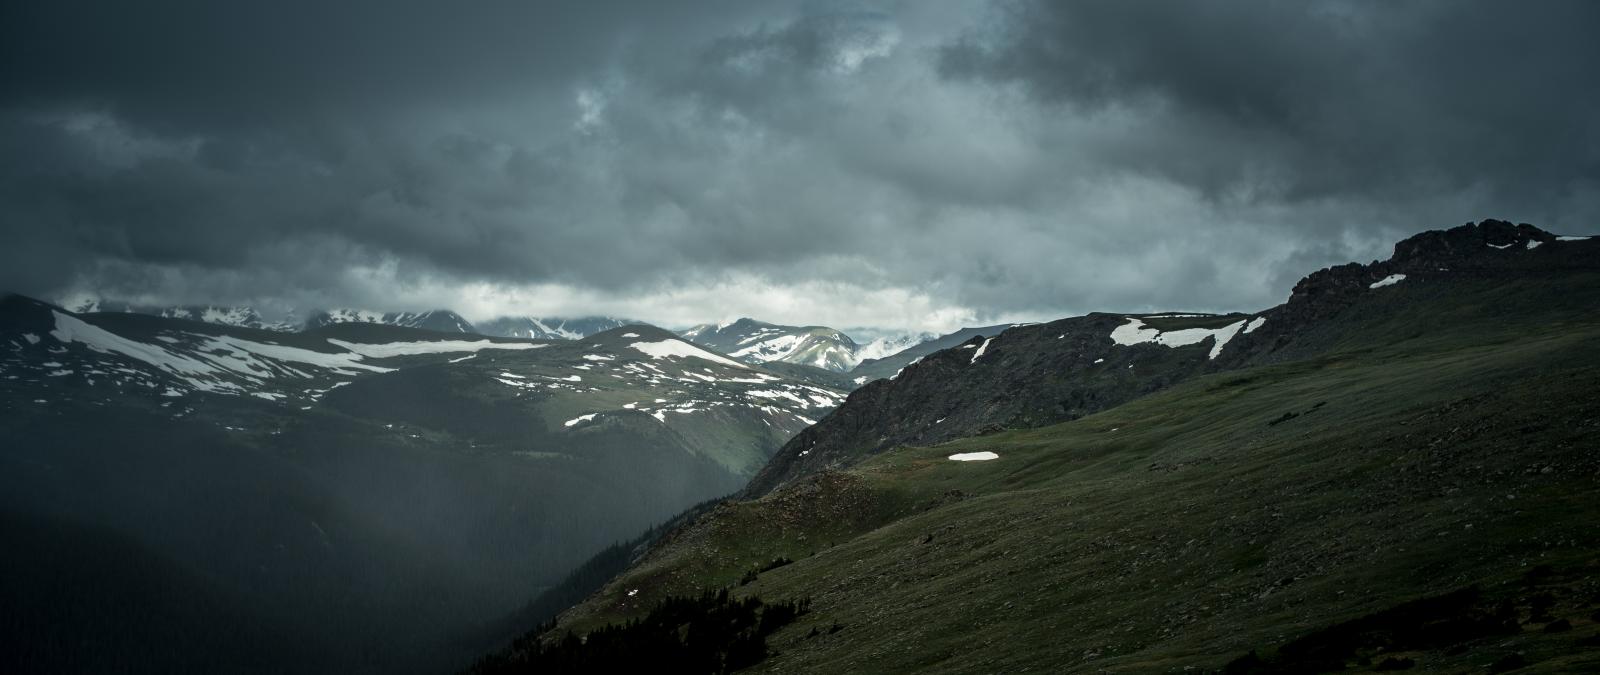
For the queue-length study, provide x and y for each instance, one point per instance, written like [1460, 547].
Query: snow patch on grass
[974, 456]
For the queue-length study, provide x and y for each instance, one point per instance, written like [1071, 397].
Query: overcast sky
[900, 165]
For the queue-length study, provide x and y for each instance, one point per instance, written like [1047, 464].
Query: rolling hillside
[1382, 452]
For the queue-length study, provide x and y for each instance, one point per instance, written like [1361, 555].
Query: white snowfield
[679, 348]
[214, 357]
[1134, 332]
[1566, 238]
[392, 349]
[772, 348]
[1388, 281]
[974, 456]
[579, 419]
[231, 365]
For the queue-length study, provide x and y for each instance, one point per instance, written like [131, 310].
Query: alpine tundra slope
[1393, 469]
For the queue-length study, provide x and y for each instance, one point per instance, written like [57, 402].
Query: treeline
[711, 633]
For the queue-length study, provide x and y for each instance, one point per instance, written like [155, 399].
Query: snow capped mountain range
[817, 346]
[759, 342]
[625, 373]
[747, 340]
[241, 317]
[441, 320]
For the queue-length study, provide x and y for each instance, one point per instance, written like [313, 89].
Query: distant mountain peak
[546, 328]
[755, 341]
[240, 316]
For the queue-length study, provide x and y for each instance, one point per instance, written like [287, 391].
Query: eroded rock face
[1042, 374]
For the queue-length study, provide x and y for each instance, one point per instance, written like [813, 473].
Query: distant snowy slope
[886, 365]
[537, 328]
[889, 345]
[759, 342]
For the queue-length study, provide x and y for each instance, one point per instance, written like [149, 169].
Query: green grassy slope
[1449, 445]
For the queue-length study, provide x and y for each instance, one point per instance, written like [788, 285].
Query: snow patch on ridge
[974, 456]
[1134, 332]
[1388, 281]
[981, 349]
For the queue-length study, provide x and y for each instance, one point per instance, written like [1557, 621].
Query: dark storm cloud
[1363, 98]
[182, 65]
[898, 163]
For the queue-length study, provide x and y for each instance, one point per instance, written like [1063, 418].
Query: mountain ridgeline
[1034, 375]
[814, 352]
[1404, 443]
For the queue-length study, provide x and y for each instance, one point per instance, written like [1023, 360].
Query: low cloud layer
[895, 165]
